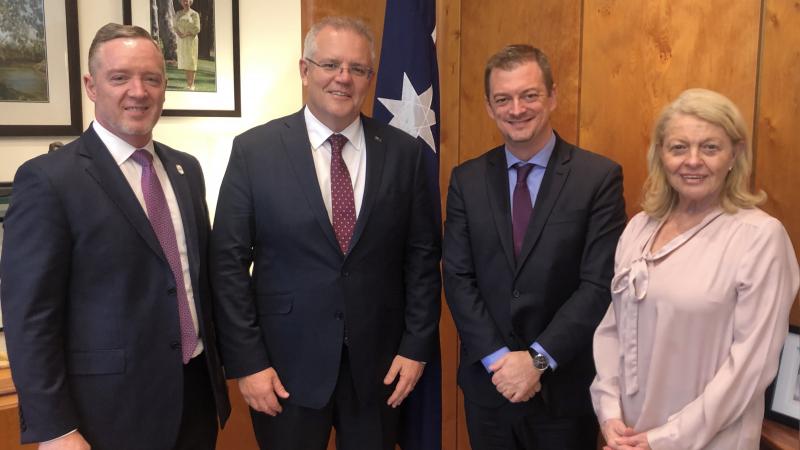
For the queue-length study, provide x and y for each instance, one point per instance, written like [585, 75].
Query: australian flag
[407, 97]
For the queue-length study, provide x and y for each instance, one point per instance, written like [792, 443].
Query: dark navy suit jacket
[555, 293]
[89, 301]
[305, 297]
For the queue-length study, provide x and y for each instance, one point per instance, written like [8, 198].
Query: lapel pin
[378, 138]
[179, 168]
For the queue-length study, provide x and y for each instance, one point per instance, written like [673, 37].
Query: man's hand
[613, 429]
[409, 371]
[72, 441]
[261, 391]
[515, 377]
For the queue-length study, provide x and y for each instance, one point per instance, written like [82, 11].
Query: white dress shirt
[121, 151]
[354, 154]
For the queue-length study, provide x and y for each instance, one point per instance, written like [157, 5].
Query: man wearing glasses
[340, 312]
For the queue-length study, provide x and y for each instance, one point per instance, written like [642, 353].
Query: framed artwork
[40, 78]
[783, 396]
[200, 42]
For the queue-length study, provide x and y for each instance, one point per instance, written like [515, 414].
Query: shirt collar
[318, 133]
[119, 149]
[539, 159]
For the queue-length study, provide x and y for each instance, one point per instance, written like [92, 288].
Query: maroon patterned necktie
[343, 204]
[522, 208]
[161, 221]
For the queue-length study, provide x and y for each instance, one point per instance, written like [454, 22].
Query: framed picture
[200, 41]
[40, 78]
[783, 396]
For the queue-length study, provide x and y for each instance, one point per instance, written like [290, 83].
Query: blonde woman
[703, 284]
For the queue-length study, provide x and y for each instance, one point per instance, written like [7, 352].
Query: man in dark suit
[105, 290]
[332, 209]
[528, 257]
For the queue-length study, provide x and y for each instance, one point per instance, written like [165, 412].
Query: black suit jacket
[89, 300]
[305, 297]
[556, 293]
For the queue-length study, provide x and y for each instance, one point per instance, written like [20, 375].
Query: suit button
[175, 345]
[339, 315]
[171, 291]
[515, 294]
[345, 273]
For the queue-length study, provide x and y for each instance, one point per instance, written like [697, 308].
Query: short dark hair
[512, 56]
[111, 31]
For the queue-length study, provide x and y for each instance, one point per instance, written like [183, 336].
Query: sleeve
[195, 30]
[605, 389]
[232, 238]
[573, 325]
[423, 280]
[35, 269]
[767, 282]
[476, 328]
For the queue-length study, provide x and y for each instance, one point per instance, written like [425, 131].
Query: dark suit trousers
[526, 426]
[358, 426]
[199, 420]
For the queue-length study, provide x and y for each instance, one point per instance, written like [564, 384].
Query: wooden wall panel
[448, 47]
[638, 56]
[552, 25]
[777, 140]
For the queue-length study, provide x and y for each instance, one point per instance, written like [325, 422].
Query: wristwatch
[540, 361]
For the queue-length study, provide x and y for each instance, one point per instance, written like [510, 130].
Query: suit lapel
[298, 150]
[183, 195]
[101, 166]
[376, 155]
[552, 182]
[497, 187]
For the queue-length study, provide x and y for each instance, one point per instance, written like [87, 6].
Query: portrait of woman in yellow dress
[187, 26]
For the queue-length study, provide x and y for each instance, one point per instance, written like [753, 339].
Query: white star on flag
[413, 113]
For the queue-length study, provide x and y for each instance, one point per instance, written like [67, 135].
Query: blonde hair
[716, 109]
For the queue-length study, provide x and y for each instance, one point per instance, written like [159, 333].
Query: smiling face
[520, 105]
[697, 156]
[336, 98]
[127, 86]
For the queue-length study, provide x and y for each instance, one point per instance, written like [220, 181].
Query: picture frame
[40, 75]
[216, 73]
[783, 395]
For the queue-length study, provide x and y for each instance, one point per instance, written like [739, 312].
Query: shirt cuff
[539, 349]
[491, 359]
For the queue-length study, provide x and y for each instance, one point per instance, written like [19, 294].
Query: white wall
[269, 41]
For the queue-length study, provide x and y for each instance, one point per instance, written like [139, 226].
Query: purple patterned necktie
[161, 221]
[522, 208]
[343, 206]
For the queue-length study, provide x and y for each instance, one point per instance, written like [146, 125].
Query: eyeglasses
[332, 67]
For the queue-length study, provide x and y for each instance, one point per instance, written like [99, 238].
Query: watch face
[540, 362]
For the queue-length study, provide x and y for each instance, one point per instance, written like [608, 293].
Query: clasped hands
[262, 390]
[619, 436]
[515, 377]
